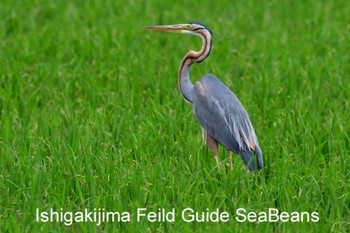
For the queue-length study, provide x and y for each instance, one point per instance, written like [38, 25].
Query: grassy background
[91, 116]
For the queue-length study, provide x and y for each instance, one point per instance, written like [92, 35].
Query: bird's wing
[222, 115]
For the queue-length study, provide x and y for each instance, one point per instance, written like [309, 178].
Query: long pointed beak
[178, 28]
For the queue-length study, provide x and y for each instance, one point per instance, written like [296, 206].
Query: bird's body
[221, 115]
[211, 99]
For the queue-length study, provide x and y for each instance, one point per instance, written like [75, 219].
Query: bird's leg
[230, 159]
[213, 145]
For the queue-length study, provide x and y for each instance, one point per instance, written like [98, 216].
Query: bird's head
[195, 28]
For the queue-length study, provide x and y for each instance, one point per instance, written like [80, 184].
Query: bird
[221, 115]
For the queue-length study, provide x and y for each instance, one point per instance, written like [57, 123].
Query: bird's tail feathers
[252, 159]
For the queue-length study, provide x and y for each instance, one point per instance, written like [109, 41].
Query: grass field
[91, 116]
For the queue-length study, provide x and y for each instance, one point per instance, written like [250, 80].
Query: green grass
[91, 116]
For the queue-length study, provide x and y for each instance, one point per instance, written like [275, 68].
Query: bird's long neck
[185, 84]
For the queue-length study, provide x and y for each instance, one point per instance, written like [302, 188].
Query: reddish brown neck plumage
[185, 84]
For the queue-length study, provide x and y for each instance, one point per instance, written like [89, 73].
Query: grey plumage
[216, 107]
